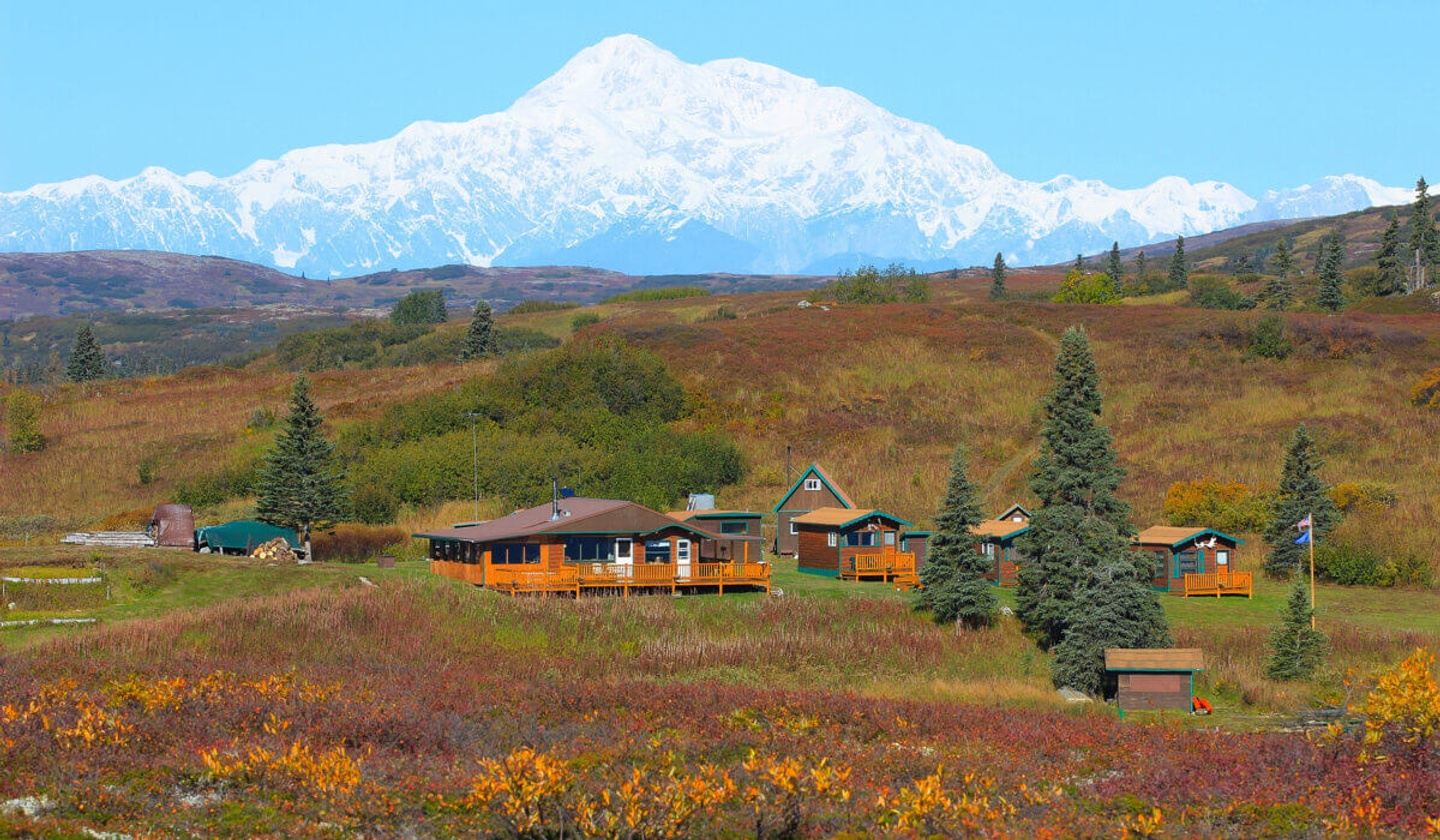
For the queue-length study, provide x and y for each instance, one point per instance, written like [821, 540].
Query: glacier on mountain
[631, 159]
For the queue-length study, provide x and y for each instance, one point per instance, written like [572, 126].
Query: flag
[1304, 524]
[1303, 538]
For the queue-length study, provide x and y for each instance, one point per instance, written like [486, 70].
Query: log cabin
[582, 545]
[1153, 678]
[995, 539]
[738, 532]
[811, 491]
[858, 545]
[1195, 561]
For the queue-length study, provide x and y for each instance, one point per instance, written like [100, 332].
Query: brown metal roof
[999, 529]
[1154, 659]
[582, 516]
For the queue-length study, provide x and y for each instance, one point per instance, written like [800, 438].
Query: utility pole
[1310, 517]
[475, 457]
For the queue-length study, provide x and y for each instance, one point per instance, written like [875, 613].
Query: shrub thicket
[597, 414]
[662, 293]
[867, 284]
[525, 307]
[419, 308]
[22, 421]
[373, 343]
[1426, 390]
[1228, 506]
[1083, 287]
[583, 320]
[355, 543]
[1269, 340]
[1212, 291]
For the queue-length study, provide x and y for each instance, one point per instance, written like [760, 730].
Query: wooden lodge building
[577, 544]
[1195, 561]
[995, 538]
[859, 545]
[811, 491]
[738, 532]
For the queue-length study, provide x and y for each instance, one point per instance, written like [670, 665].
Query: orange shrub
[1404, 707]
[1426, 390]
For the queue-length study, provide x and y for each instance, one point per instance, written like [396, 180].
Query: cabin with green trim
[1153, 678]
[833, 540]
[811, 491]
[1179, 551]
[995, 539]
[738, 533]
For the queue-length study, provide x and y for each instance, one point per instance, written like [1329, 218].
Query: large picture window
[734, 528]
[508, 553]
[590, 550]
[657, 551]
[860, 538]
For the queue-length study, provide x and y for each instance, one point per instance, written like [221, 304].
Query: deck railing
[1219, 583]
[896, 566]
[622, 577]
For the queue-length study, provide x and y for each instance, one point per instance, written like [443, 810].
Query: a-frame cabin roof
[817, 472]
[1013, 509]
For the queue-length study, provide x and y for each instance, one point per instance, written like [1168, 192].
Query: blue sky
[1260, 94]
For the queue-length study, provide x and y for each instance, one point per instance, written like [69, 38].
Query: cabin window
[987, 549]
[734, 528]
[437, 550]
[904, 545]
[589, 549]
[624, 550]
[1222, 558]
[472, 553]
[682, 551]
[860, 538]
[889, 537]
[812, 484]
[1017, 518]
[832, 539]
[507, 553]
[794, 529]
[657, 551]
[1189, 562]
[1162, 563]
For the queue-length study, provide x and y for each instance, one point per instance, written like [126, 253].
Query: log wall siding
[1154, 691]
[815, 552]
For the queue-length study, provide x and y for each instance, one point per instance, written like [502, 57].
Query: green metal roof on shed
[244, 534]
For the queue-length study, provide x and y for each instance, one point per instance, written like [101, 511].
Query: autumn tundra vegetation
[224, 696]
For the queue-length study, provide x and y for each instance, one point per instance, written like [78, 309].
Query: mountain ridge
[637, 161]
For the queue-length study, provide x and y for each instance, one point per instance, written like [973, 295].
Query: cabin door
[682, 558]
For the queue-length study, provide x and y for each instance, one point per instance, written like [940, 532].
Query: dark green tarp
[241, 535]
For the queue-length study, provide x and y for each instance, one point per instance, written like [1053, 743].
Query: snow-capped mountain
[629, 158]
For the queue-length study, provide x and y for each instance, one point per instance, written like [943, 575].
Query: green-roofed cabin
[857, 545]
[1194, 561]
[737, 533]
[995, 539]
[811, 491]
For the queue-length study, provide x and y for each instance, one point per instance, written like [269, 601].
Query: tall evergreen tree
[1389, 268]
[1302, 492]
[997, 277]
[87, 360]
[1179, 274]
[422, 307]
[1115, 268]
[1142, 268]
[1296, 648]
[1423, 236]
[301, 481]
[1080, 263]
[954, 585]
[1119, 609]
[1279, 293]
[1080, 525]
[480, 339]
[1332, 262]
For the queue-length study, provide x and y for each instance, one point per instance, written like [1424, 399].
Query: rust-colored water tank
[173, 525]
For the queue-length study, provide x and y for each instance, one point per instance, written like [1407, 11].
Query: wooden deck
[608, 578]
[897, 567]
[1219, 584]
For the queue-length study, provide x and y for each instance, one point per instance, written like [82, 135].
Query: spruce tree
[1179, 272]
[1423, 236]
[301, 481]
[1279, 293]
[480, 339]
[997, 278]
[87, 360]
[1332, 261]
[1302, 492]
[1389, 269]
[1080, 524]
[1115, 268]
[1119, 609]
[955, 589]
[1079, 264]
[22, 420]
[1296, 648]
[1142, 268]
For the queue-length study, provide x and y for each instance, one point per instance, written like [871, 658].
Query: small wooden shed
[1154, 678]
[173, 526]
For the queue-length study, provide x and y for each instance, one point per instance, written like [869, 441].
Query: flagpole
[1310, 517]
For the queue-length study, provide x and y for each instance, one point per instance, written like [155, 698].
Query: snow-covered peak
[629, 157]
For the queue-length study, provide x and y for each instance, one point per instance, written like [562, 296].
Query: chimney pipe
[554, 498]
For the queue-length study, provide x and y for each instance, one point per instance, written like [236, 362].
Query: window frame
[812, 485]
[628, 555]
[832, 539]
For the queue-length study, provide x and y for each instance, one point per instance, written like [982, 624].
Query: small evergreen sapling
[954, 586]
[1302, 493]
[1115, 268]
[1279, 293]
[1332, 294]
[1117, 609]
[1389, 268]
[1179, 270]
[87, 359]
[997, 278]
[480, 339]
[301, 481]
[1296, 648]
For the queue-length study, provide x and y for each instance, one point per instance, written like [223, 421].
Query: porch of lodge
[1219, 584]
[897, 567]
[607, 578]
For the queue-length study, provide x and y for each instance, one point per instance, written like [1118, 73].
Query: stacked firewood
[275, 551]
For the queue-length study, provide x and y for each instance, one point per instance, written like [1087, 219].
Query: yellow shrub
[1404, 706]
[1426, 390]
